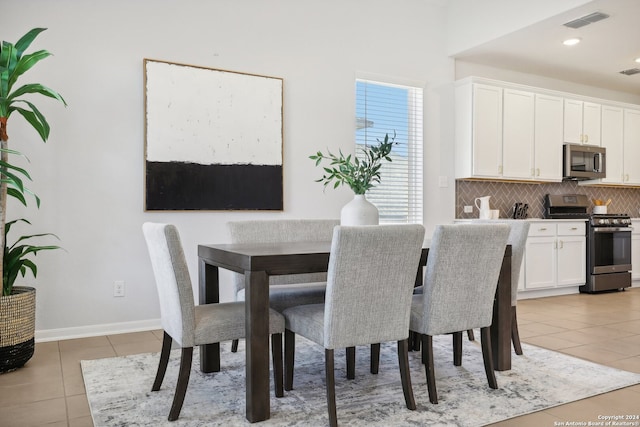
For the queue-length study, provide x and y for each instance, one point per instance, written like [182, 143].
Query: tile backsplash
[505, 194]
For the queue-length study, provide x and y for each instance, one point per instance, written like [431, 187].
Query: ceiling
[607, 47]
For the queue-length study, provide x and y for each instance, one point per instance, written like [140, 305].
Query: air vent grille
[630, 71]
[586, 20]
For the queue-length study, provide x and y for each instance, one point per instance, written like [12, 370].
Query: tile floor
[603, 328]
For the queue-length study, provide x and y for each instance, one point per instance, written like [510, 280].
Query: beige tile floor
[603, 328]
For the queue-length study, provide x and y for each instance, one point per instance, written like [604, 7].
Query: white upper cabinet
[631, 138]
[478, 131]
[612, 127]
[548, 138]
[508, 131]
[582, 122]
[517, 134]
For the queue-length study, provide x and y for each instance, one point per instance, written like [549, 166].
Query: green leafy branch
[360, 174]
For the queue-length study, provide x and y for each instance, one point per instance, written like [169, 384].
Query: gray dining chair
[285, 290]
[460, 282]
[191, 325]
[370, 280]
[518, 241]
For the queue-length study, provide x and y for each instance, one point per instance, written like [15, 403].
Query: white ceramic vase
[359, 211]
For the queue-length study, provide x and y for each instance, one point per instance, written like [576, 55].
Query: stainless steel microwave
[581, 162]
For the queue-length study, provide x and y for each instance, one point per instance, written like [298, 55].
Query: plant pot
[359, 211]
[17, 327]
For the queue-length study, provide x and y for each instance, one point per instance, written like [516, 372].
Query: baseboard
[96, 330]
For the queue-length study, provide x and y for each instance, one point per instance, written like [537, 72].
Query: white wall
[90, 173]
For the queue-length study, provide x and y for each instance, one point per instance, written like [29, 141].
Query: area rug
[118, 389]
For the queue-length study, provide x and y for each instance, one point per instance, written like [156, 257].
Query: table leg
[209, 293]
[501, 324]
[257, 345]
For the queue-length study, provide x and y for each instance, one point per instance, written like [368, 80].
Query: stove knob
[615, 221]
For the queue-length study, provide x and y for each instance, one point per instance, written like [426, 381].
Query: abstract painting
[213, 139]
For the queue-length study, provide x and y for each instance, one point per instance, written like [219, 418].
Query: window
[384, 108]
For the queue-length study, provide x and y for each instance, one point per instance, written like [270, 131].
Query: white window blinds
[384, 108]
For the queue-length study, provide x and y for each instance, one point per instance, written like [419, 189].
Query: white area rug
[118, 389]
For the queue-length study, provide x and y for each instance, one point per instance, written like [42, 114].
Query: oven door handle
[611, 229]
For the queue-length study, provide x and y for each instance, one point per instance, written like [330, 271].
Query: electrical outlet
[468, 209]
[118, 288]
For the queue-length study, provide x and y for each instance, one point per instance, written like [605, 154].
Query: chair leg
[276, 354]
[427, 355]
[414, 341]
[375, 358]
[405, 373]
[331, 387]
[457, 348]
[164, 360]
[471, 335]
[234, 346]
[485, 335]
[351, 363]
[289, 353]
[515, 336]
[183, 382]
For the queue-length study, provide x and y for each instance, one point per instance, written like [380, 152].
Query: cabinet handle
[574, 228]
[561, 244]
[581, 138]
[538, 170]
[542, 229]
[586, 138]
[626, 177]
[500, 170]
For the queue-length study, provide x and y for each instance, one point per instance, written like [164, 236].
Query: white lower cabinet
[555, 254]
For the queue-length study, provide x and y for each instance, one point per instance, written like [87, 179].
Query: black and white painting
[213, 139]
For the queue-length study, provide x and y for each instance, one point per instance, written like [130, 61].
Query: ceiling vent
[630, 71]
[586, 20]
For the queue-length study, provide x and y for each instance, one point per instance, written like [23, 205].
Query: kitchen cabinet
[478, 131]
[582, 122]
[517, 134]
[631, 143]
[612, 140]
[548, 133]
[635, 249]
[555, 254]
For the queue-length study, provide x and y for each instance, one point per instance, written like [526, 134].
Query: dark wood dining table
[259, 261]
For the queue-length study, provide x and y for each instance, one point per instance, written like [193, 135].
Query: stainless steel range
[608, 253]
[608, 242]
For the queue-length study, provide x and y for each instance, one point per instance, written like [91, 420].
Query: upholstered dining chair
[518, 241]
[460, 282]
[188, 324]
[370, 279]
[286, 290]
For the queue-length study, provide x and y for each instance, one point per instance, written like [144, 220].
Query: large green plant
[13, 64]
[360, 174]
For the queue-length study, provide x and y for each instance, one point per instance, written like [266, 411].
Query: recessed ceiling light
[637, 59]
[571, 42]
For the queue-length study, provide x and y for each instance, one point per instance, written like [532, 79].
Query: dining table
[258, 261]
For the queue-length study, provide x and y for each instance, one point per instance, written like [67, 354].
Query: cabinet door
[487, 131]
[612, 125]
[517, 134]
[631, 136]
[540, 262]
[548, 138]
[571, 260]
[573, 121]
[591, 123]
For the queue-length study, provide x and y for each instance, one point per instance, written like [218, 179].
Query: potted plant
[17, 304]
[360, 174]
